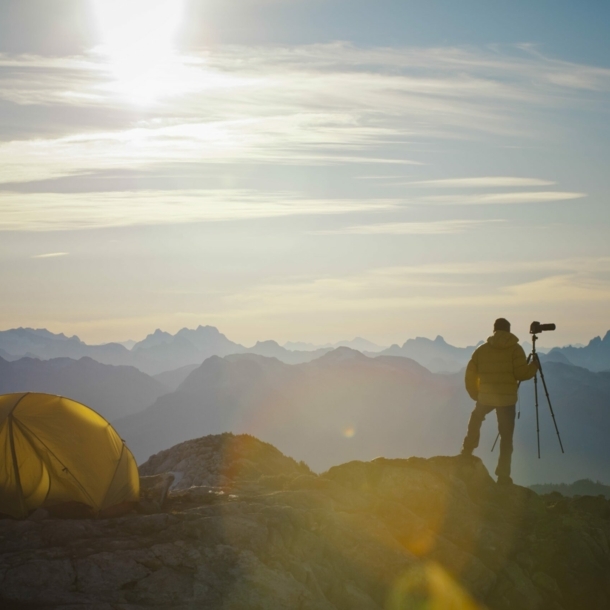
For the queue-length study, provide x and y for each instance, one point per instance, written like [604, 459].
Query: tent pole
[16, 465]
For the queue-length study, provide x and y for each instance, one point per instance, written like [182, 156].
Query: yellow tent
[55, 452]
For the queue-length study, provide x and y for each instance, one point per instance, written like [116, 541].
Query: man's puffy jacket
[495, 368]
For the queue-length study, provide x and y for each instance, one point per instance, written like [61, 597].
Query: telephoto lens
[536, 327]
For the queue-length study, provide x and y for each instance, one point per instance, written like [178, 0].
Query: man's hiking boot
[504, 480]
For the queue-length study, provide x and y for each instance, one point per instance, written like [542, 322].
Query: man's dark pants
[506, 427]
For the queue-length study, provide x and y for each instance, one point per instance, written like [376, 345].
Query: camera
[536, 327]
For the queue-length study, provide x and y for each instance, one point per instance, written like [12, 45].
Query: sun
[138, 42]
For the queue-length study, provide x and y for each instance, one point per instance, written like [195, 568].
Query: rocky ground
[245, 527]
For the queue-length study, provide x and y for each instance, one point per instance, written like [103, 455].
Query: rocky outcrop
[222, 460]
[245, 527]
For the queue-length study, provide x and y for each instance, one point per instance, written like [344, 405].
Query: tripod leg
[548, 399]
[495, 442]
[537, 420]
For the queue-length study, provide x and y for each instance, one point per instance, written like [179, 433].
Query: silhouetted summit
[341, 354]
[159, 337]
[112, 391]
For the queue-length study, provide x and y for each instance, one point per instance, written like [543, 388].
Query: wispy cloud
[482, 182]
[49, 211]
[576, 265]
[439, 227]
[503, 198]
[54, 211]
[290, 104]
[50, 255]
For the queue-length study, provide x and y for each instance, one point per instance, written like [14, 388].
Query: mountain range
[158, 352]
[43, 344]
[437, 355]
[345, 405]
[162, 352]
[358, 343]
[112, 391]
[595, 356]
[337, 405]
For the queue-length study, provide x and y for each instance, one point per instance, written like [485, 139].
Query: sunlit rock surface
[245, 527]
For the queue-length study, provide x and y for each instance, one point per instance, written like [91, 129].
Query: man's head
[502, 324]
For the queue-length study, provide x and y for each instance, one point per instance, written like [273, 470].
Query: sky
[305, 171]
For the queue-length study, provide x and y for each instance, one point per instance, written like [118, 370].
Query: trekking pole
[494, 445]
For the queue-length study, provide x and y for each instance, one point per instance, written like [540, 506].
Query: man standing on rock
[492, 380]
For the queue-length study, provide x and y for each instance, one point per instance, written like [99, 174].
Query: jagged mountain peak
[158, 337]
[201, 330]
[595, 355]
[438, 340]
[606, 338]
[42, 332]
[268, 343]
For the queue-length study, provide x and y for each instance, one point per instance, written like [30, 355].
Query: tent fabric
[54, 450]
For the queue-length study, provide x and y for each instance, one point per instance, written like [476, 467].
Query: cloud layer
[339, 189]
[316, 106]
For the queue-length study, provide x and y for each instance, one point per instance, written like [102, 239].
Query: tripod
[534, 356]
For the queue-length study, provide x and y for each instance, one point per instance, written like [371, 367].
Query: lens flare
[428, 586]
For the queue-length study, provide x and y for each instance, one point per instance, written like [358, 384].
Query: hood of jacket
[502, 339]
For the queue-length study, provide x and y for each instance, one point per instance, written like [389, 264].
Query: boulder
[153, 491]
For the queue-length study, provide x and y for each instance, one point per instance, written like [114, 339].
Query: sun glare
[138, 41]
